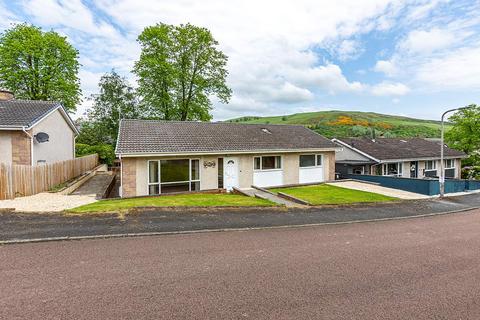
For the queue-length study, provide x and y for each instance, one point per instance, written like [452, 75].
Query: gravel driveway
[47, 202]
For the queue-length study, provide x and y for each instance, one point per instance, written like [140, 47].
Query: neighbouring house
[408, 158]
[34, 132]
[159, 157]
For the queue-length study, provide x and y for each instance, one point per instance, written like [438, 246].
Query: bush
[106, 153]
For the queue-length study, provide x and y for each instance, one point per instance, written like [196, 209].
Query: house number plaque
[209, 164]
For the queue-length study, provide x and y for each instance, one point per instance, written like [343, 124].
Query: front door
[414, 169]
[230, 172]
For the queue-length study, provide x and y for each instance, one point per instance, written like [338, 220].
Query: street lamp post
[441, 177]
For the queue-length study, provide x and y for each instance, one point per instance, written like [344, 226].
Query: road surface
[423, 268]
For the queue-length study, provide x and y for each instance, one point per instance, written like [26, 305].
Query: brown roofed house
[401, 157]
[159, 157]
[34, 132]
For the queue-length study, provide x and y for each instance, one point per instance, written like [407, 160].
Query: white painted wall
[310, 175]
[60, 146]
[5, 147]
[269, 178]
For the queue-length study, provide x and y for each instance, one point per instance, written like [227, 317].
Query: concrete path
[252, 192]
[418, 269]
[17, 226]
[362, 186]
[96, 185]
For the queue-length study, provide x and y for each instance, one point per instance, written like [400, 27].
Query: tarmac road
[422, 268]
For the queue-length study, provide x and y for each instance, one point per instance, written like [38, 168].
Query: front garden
[180, 200]
[327, 194]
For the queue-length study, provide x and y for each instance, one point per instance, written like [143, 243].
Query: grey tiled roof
[23, 113]
[147, 136]
[396, 148]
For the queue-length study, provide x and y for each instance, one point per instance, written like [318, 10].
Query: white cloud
[6, 17]
[459, 69]
[386, 67]
[348, 49]
[424, 42]
[390, 89]
[328, 77]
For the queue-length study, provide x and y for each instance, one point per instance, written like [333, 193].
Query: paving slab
[369, 187]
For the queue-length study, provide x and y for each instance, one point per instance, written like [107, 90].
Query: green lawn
[327, 194]
[183, 200]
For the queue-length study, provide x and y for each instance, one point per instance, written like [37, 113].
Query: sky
[413, 58]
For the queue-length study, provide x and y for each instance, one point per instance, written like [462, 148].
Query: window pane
[319, 159]
[220, 173]
[268, 163]
[257, 163]
[195, 169]
[154, 189]
[195, 186]
[278, 162]
[153, 171]
[307, 160]
[175, 187]
[174, 170]
[392, 168]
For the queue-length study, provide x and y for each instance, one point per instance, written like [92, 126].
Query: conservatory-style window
[176, 175]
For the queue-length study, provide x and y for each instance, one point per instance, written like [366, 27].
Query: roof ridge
[216, 122]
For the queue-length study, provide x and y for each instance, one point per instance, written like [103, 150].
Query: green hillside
[354, 124]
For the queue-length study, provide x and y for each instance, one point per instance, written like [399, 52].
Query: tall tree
[179, 70]
[465, 136]
[116, 100]
[465, 133]
[39, 65]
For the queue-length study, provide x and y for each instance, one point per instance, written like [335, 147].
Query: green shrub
[106, 153]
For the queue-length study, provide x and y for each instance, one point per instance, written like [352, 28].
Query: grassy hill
[354, 124]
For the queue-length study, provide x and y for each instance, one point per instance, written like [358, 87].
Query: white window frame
[399, 169]
[446, 166]
[261, 163]
[159, 183]
[316, 160]
[434, 167]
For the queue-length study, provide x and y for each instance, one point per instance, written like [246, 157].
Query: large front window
[267, 163]
[178, 175]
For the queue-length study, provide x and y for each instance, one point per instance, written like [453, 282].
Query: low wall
[423, 186]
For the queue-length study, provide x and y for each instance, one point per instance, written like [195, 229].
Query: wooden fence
[21, 180]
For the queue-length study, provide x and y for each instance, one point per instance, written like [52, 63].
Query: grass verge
[181, 200]
[327, 194]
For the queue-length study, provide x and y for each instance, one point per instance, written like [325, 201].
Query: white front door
[230, 173]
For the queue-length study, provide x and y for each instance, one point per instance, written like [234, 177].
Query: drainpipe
[121, 176]
[31, 145]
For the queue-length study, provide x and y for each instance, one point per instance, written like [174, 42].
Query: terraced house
[159, 157]
[399, 157]
[34, 132]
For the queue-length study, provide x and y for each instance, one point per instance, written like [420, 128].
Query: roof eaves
[356, 150]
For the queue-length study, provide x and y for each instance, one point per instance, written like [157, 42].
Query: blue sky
[414, 58]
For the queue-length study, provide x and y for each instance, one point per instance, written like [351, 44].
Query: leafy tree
[116, 100]
[106, 152]
[465, 133]
[179, 70]
[465, 136]
[39, 65]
